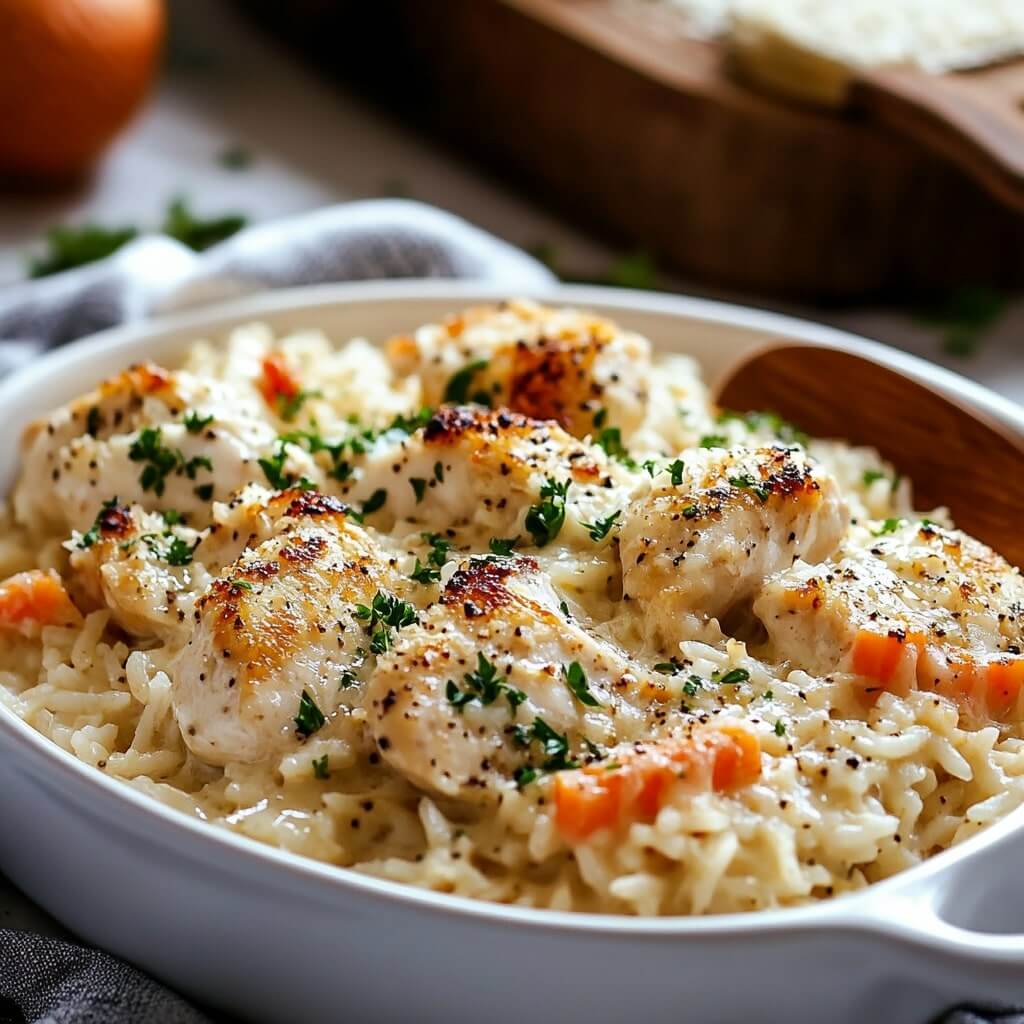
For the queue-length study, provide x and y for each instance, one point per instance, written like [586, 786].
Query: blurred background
[641, 143]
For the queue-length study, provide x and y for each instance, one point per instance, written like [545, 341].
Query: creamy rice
[852, 788]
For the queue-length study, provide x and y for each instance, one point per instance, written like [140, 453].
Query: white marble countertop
[311, 144]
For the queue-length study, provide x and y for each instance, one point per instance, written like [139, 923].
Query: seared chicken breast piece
[278, 639]
[718, 523]
[151, 437]
[550, 364]
[474, 467]
[495, 679]
[923, 606]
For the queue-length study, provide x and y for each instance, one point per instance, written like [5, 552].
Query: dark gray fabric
[53, 982]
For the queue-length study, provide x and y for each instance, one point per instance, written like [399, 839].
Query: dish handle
[963, 912]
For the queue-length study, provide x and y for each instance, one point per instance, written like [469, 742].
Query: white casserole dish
[271, 936]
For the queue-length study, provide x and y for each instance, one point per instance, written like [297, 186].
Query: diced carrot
[633, 783]
[878, 655]
[32, 599]
[278, 380]
[1003, 682]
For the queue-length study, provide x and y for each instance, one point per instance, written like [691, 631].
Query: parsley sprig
[310, 717]
[483, 686]
[457, 390]
[576, 681]
[385, 613]
[545, 519]
[599, 528]
[162, 461]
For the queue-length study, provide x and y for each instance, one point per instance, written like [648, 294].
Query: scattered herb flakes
[563, 607]
[524, 775]
[734, 676]
[425, 574]
[348, 679]
[555, 746]
[576, 680]
[159, 459]
[746, 482]
[692, 685]
[965, 316]
[871, 475]
[419, 487]
[675, 470]
[633, 270]
[600, 418]
[385, 613]
[320, 769]
[483, 686]
[651, 466]
[204, 492]
[770, 422]
[502, 545]
[780, 728]
[610, 439]
[439, 472]
[598, 529]
[691, 512]
[70, 247]
[457, 390]
[714, 441]
[545, 519]
[769, 694]
[238, 585]
[235, 158]
[179, 552]
[273, 469]
[197, 232]
[668, 667]
[93, 533]
[289, 406]
[196, 424]
[439, 548]
[890, 525]
[310, 717]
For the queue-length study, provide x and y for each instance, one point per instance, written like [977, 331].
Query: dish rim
[846, 911]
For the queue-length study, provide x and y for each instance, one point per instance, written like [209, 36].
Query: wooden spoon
[953, 456]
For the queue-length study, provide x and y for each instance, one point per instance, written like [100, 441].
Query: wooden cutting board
[916, 186]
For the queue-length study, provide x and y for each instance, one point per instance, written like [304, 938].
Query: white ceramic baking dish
[271, 936]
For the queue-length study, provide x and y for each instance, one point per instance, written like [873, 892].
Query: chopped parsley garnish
[204, 492]
[375, 502]
[273, 469]
[195, 424]
[871, 475]
[320, 769]
[600, 418]
[668, 667]
[576, 680]
[310, 717]
[610, 439]
[160, 460]
[172, 516]
[457, 390]
[780, 728]
[179, 553]
[93, 533]
[734, 676]
[563, 607]
[599, 528]
[75, 246]
[385, 612]
[769, 694]
[348, 679]
[439, 472]
[544, 520]
[651, 466]
[483, 686]
[555, 746]
[439, 548]
[289, 406]
[746, 482]
[196, 232]
[676, 470]
[713, 441]
[769, 421]
[524, 775]
[419, 487]
[502, 545]
[692, 685]
[424, 573]
[691, 511]
[237, 585]
[888, 526]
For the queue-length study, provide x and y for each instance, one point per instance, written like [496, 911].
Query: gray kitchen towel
[359, 241]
